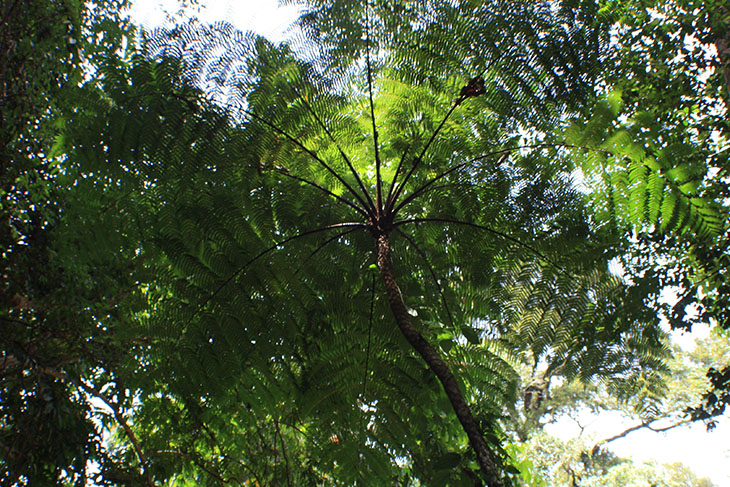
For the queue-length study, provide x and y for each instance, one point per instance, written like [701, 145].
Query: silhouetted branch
[342, 153]
[421, 189]
[10, 361]
[323, 245]
[199, 464]
[367, 349]
[378, 180]
[122, 422]
[418, 159]
[642, 425]
[395, 176]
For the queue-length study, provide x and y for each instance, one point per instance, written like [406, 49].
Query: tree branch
[122, 422]
[642, 425]
[199, 464]
[420, 190]
[722, 44]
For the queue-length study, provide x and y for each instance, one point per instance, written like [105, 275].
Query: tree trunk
[436, 364]
[722, 44]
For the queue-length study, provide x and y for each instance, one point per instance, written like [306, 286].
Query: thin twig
[122, 422]
[642, 425]
[200, 464]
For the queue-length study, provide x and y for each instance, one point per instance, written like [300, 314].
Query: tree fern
[305, 137]
[280, 205]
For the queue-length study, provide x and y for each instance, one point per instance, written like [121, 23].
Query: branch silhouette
[324, 190]
[378, 180]
[342, 153]
[323, 245]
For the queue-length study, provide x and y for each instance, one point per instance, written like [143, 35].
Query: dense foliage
[361, 257]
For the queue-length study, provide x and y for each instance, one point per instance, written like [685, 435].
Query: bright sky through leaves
[707, 454]
[263, 16]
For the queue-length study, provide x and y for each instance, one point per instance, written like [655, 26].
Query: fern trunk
[436, 364]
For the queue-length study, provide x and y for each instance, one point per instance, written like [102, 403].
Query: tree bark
[436, 364]
[722, 44]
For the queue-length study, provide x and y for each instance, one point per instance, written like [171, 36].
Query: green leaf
[470, 335]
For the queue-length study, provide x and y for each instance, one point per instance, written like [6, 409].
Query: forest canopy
[386, 251]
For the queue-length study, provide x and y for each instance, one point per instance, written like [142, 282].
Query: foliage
[715, 399]
[568, 463]
[323, 262]
[671, 130]
[46, 434]
[657, 401]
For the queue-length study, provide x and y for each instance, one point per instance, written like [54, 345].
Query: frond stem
[487, 229]
[272, 248]
[378, 180]
[313, 155]
[342, 152]
[421, 189]
[323, 245]
[431, 270]
[367, 349]
[325, 190]
[395, 176]
[420, 157]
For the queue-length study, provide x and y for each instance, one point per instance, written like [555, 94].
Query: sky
[265, 17]
[707, 454]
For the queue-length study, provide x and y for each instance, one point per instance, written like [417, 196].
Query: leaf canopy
[222, 206]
